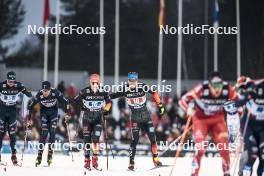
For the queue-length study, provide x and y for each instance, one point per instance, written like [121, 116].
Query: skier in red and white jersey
[204, 104]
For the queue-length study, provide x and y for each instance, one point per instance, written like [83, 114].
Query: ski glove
[161, 109]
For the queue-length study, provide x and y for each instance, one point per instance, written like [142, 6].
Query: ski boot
[156, 161]
[38, 160]
[49, 158]
[14, 159]
[87, 164]
[131, 165]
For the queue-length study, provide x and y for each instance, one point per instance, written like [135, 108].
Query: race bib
[136, 102]
[93, 105]
[9, 99]
[260, 113]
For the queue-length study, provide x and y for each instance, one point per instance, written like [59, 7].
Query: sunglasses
[10, 81]
[217, 85]
[132, 80]
[93, 83]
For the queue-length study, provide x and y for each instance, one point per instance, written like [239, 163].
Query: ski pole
[26, 132]
[106, 139]
[180, 144]
[240, 146]
[69, 138]
[174, 142]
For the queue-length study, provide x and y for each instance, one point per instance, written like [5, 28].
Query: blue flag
[216, 13]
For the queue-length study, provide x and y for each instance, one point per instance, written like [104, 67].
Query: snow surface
[63, 166]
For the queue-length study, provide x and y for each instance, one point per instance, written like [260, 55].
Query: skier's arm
[108, 103]
[117, 94]
[33, 101]
[78, 98]
[189, 97]
[157, 99]
[63, 99]
[25, 91]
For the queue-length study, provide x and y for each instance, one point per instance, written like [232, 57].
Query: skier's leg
[244, 155]
[52, 130]
[200, 131]
[260, 171]
[152, 137]
[43, 137]
[133, 145]
[12, 126]
[252, 150]
[2, 127]
[220, 134]
[96, 136]
[87, 139]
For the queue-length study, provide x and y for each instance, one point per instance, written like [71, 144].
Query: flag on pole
[162, 13]
[216, 13]
[46, 13]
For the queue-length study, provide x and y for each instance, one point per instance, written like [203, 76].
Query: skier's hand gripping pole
[66, 119]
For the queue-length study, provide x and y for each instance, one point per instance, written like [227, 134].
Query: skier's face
[45, 92]
[132, 83]
[216, 88]
[94, 86]
[10, 83]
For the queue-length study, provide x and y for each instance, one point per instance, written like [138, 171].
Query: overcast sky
[33, 16]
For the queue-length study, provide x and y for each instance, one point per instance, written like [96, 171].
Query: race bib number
[136, 102]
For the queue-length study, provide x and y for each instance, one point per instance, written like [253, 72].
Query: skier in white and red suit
[204, 104]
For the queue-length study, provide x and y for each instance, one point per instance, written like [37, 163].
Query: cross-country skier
[94, 102]
[243, 86]
[204, 104]
[9, 95]
[48, 98]
[135, 93]
[254, 136]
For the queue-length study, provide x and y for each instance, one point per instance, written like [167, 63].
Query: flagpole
[160, 58]
[179, 50]
[57, 42]
[160, 49]
[117, 42]
[45, 68]
[238, 39]
[216, 24]
[205, 41]
[46, 39]
[102, 41]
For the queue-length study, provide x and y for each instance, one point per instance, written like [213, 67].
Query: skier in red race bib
[204, 104]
